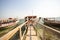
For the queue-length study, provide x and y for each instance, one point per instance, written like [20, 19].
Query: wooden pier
[33, 31]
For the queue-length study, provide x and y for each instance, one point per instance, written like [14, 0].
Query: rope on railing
[11, 33]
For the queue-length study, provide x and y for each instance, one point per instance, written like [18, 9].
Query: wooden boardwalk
[31, 34]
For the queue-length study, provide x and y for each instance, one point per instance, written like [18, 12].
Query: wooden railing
[47, 33]
[11, 33]
[51, 33]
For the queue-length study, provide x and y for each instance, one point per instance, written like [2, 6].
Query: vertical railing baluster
[43, 34]
[20, 33]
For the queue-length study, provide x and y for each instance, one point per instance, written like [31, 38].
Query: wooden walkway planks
[31, 34]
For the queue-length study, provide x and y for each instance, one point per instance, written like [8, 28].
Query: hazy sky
[21, 8]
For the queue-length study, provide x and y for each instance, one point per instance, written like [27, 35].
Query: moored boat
[51, 22]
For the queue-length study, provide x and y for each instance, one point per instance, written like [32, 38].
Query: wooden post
[44, 34]
[20, 34]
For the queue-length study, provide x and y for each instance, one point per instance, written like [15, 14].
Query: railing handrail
[12, 32]
[50, 28]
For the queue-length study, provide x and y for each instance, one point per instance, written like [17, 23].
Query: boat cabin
[30, 18]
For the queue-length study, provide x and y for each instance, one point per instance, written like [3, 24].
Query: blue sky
[22, 8]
